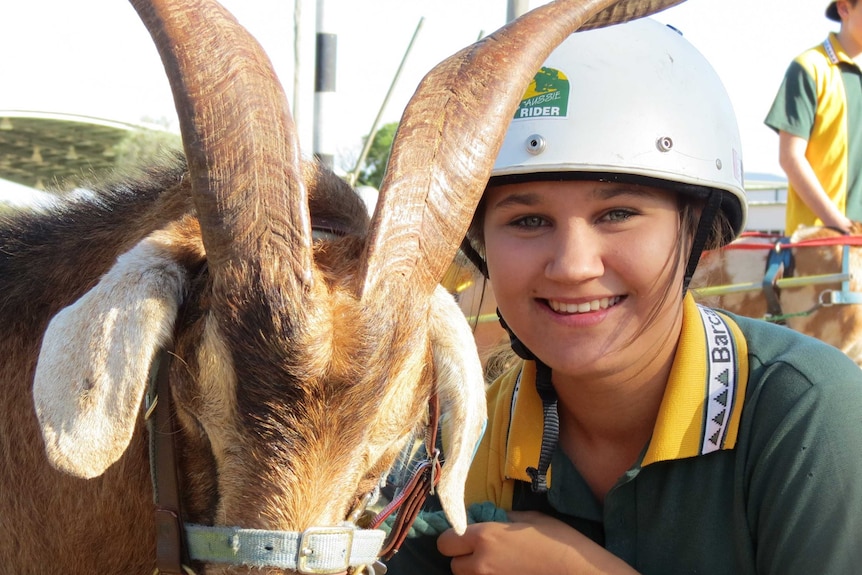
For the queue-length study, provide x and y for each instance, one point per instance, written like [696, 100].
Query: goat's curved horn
[450, 134]
[239, 139]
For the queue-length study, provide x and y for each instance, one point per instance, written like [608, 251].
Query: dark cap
[832, 11]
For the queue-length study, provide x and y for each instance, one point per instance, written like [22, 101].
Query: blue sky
[95, 58]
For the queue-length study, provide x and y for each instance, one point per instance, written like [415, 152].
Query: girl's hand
[532, 543]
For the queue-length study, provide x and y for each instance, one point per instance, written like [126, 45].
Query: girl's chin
[577, 357]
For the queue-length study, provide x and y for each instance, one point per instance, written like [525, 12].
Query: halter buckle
[314, 541]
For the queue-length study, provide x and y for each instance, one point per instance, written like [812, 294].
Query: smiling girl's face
[587, 274]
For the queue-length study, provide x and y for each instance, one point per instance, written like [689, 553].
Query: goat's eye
[323, 235]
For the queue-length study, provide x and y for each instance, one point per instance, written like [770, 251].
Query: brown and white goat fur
[301, 364]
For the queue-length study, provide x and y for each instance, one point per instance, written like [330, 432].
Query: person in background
[818, 116]
[639, 431]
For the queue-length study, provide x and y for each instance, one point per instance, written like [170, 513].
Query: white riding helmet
[632, 101]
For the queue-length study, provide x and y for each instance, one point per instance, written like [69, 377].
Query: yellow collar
[703, 400]
[702, 403]
[835, 51]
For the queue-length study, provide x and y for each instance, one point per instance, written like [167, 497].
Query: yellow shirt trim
[694, 397]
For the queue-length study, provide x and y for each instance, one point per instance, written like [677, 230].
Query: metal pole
[515, 8]
[354, 175]
[324, 86]
[297, 59]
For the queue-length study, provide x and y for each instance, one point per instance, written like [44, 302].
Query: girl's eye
[529, 222]
[619, 215]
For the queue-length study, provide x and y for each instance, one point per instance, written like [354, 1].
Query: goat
[299, 343]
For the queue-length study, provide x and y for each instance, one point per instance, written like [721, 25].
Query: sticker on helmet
[547, 96]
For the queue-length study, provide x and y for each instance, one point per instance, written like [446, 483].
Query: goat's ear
[94, 363]
[461, 388]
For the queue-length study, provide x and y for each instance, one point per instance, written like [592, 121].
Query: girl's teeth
[584, 307]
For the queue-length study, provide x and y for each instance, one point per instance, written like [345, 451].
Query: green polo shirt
[778, 491]
[820, 100]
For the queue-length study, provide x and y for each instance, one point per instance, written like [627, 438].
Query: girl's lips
[583, 307]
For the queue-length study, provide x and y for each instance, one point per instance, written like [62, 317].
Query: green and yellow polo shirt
[820, 100]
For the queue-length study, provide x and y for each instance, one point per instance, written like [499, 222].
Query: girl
[641, 432]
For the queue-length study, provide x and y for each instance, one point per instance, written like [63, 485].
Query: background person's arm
[800, 174]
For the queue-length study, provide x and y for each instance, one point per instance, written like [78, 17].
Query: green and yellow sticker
[547, 96]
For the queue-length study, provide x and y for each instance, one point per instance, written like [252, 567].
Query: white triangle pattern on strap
[721, 380]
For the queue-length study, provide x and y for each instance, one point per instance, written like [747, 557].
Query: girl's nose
[576, 255]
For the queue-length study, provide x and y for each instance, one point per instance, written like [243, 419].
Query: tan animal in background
[821, 299]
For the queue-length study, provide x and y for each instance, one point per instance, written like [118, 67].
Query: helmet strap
[550, 415]
[550, 428]
[704, 230]
[475, 257]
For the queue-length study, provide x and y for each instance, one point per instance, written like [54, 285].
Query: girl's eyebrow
[602, 192]
[614, 191]
[517, 199]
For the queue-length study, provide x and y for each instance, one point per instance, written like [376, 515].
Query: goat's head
[304, 364]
